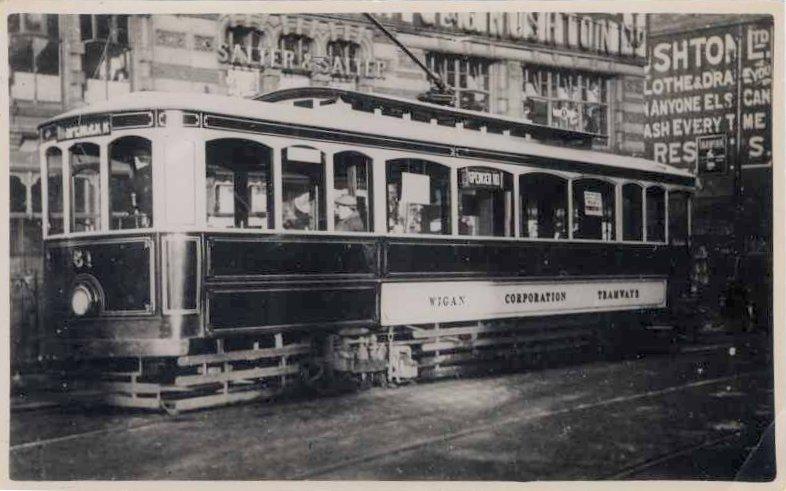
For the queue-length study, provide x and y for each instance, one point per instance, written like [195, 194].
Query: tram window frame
[91, 190]
[293, 215]
[606, 223]
[232, 177]
[363, 215]
[55, 181]
[502, 225]
[534, 228]
[139, 187]
[439, 193]
[656, 232]
[633, 212]
[679, 223]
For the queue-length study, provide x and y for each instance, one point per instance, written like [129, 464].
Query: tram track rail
[414, 445]
[424, 442]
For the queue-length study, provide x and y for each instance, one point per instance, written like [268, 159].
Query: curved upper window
[544, 206]
[18, 193]
[238, 184]
[130, 183]
[485, 202]
[632, 212]
[85, 167]
[679, 215]
[352, 192]
[418, 194]
[593, 209]
[54, 170]
[656, 214]
[303, 193]
[295, 51]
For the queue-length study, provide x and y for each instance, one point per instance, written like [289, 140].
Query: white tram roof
[340, 116]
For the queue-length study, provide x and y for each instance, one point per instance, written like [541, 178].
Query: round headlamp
[83, 300]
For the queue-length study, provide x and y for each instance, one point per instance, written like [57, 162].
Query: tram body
[204, 241]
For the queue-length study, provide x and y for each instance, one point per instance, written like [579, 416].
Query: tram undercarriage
[229, 370]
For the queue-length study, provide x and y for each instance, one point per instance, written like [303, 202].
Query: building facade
[708, 96]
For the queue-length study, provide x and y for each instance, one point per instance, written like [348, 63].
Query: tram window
[54, 170]
[632, 212]
[485, 202]
[85, 186]
[238, 184]
[130, 183]
[544, 205]
[678, 217]
[656, 214]
[352, 192]
[418, 197]
[303, 170]
[593, 209]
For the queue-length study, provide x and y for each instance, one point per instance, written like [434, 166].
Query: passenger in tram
[347, 214]
[297, 213]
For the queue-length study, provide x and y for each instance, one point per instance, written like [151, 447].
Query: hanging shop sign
[611, 34]
[715, 81]
[479, 177]
[457, 301]
[711, 154]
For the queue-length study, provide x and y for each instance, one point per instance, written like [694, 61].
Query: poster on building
[710, 82]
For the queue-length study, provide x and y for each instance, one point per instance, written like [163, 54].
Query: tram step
[219, 399]
[490, 354]
[244, 355]
[463, 330]
[132, 401]
[199, 379]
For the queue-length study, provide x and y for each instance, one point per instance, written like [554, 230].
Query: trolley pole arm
[433, 77]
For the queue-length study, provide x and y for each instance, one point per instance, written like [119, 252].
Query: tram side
[222, 272]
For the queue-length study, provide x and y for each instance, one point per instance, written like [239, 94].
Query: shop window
[485, 202]
[593, 209]
[107, 53]
[33, 43]
[418, 197]
[679, 209]
[130, 183]
[656, 214]
[469, 78]
[544, 206]
[565, 99]
[352, 192]
[84, 161]
[54, 170]
[239, 184]
[18, 193]
[303, 194]
[296, 50]
[632, 212]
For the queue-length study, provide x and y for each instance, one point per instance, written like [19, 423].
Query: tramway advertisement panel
[452, 301]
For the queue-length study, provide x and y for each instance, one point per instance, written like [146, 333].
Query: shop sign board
[709, 82]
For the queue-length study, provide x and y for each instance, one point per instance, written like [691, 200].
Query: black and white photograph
[332, 243]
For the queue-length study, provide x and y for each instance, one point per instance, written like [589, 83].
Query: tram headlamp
[83, 300]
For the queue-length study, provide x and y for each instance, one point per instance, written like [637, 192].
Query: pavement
[677, 415]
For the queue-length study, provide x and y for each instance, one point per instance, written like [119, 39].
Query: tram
[203, 249]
